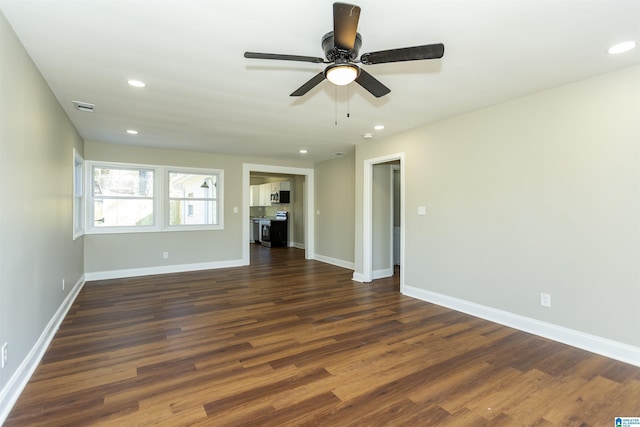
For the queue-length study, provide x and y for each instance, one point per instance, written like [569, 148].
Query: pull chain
[348, 103]
[335, 97]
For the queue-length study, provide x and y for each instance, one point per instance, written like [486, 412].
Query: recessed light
[137, 83]
[132, 132]
[621, 47]
[367, 135]
[303, 151]
[378, 127]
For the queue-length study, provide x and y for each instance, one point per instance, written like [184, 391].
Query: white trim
[78, 218]
[382, 273]
[595, 344]
[309, 197]
[335, 261]
[16, 384]
[367, 216]
[157, 199]
[160, 199]
[163, 269]
[166, 202]
[357, 277]
[296, 245]
[367, 222]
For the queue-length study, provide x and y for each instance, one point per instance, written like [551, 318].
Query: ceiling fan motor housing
[332, 52]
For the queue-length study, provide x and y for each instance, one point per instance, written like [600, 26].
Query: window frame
[218, 173]
[161, 198]
[156, 199]
[77, 198]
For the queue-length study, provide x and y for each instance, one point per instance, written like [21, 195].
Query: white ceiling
[203, 95]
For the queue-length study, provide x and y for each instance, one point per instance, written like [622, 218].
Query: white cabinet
[265, 194]
[254, 195]
[260, 195]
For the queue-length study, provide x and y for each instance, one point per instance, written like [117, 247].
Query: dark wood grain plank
[289, 341]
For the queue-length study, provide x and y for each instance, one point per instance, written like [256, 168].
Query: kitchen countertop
[266, 218]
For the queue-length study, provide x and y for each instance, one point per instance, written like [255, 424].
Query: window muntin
[122, 197]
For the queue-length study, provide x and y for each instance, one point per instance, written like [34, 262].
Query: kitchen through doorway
[277, 207]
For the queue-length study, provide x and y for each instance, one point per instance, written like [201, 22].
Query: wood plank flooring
[288, 341]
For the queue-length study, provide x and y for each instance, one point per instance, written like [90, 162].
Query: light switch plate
[422, 210]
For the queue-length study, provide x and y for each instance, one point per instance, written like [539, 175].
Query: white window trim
[157, 199]
[219, 199]
[78, 196]
[160, 199]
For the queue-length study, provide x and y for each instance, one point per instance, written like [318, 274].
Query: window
[135, 198]
[194, 198]
[122, 198]
[78, 195]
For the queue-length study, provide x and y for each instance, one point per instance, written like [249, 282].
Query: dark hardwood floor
[293, 342]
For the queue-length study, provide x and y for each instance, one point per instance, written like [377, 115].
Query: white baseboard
[335, 261]
[376, 274]
[603, 346]
[296, 245]
[381, 274]
[164, 269]
[12, 390]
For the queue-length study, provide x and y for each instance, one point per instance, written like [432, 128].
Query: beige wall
[139, 253]
[335, 225]
[37, 249]
[539, 194]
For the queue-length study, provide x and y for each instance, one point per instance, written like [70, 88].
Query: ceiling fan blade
[315, 81]
[257, 55]
[372, 84]
[416, 53]
[345, 25]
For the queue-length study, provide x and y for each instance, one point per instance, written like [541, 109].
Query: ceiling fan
[341, 47]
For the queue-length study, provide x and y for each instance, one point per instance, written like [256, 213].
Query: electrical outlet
[545, 300]
[4, 354]
[165, 255]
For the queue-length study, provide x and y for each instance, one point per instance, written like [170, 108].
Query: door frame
[367, 214]
[309, 236]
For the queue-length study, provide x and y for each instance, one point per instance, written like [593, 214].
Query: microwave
[282, 196]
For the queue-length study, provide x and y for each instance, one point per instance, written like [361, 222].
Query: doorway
[308, 198]
[383, 217]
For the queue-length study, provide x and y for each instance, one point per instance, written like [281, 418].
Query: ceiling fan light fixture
[341, 74]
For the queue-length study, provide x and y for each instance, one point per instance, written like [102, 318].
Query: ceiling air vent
[83, 106]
